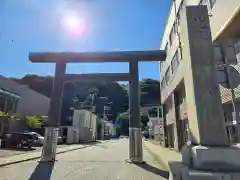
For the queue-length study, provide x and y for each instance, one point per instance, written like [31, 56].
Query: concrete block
[216, 158]
[235, 176]
[189, 174]
[186, 155]
[175, 170]
[178, 171]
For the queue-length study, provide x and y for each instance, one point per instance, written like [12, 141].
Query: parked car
[60, 140]
[18, 140]
[40, 139]
[145, 134]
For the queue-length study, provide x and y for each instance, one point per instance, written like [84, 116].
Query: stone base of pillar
[202, 162]
[50, 144]
[135, 145]
[191, 174]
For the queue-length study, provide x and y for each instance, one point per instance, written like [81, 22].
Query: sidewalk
[36, 155]
[162, 155]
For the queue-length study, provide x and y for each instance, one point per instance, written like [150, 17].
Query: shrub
[35, 121]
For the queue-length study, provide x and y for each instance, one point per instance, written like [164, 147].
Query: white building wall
[84, 127]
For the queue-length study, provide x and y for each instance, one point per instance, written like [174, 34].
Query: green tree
[41, 84]
[150, 92]
[123, 123]
[35, 121]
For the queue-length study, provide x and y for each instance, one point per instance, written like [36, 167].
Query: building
[224, 19]
[109, 129]
[155, 123]
[22, 100]
[84, 127]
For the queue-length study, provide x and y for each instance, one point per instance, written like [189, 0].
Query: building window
[237, 49]
[168, 75]
[204, 2]
[238, 56]
[163, 83]
[166, 48]
[180, 10]
[212, 3]
[175, 62]
[209, 3]
[218, 55]
[172, 34]
[8, 101]
[172, 67]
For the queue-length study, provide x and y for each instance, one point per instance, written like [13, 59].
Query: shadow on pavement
[43, 171]
[95, 143]
[154, 170]
[90, 143]
[101, 145]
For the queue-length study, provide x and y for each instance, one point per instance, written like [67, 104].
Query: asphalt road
[103, 161]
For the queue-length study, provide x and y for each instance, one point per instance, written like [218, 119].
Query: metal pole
[135, 139]
[91, 111]
[5, 105]
[13, 107]
[104, 119]
[103, 129]
[52, 129]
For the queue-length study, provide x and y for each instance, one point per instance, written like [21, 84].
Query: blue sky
[42, 25]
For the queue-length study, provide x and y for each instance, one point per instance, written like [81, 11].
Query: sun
[74, 24]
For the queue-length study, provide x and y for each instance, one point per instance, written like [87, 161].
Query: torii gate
[61, 59]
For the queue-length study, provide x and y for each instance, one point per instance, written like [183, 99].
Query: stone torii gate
[61, 59]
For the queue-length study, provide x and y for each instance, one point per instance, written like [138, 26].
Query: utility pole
[105, 114]
[92, 108]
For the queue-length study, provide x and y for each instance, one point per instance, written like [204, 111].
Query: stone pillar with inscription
[208, 155]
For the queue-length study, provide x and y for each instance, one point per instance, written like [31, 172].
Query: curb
[19, 161]
[39, 156]
[157, 158]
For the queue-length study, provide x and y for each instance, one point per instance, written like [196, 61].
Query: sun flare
[74, 24]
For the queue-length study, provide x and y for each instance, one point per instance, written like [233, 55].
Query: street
[102, 161]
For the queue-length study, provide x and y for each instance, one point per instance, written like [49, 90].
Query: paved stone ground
[10, 152]
[170, 155]
[104, 161]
